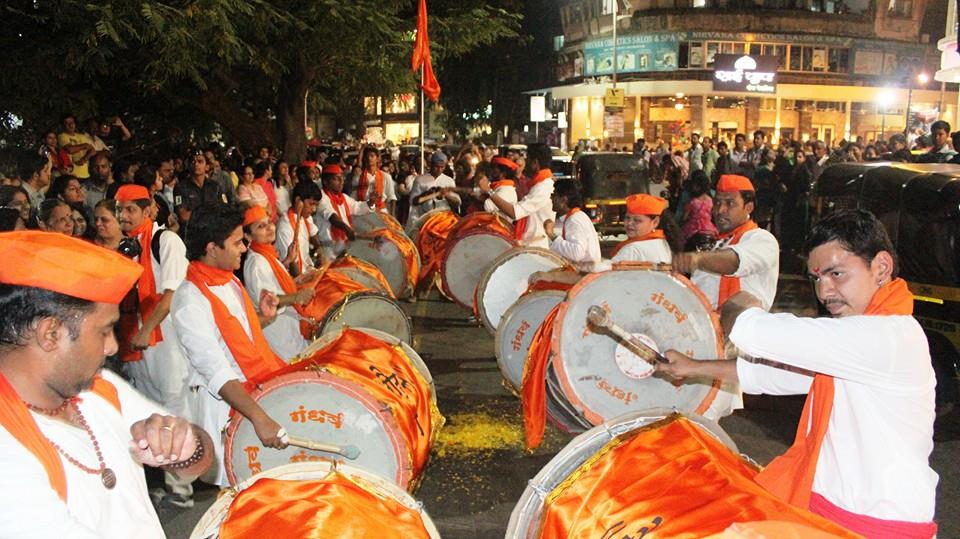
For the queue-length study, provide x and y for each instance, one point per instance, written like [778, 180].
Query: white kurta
[29, 507]
[211, 363]
[389, 190]
[283, 333]
[325, 210]
[655, 251]
[424, 183]
[538, 206]
[285, 237]
[506, 192]
[874, 458]
[759, 268]
[577, 241]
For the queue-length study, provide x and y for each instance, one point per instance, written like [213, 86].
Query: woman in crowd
[56, 215]
[698, 228]
[68, 189]
[282, 185]
[108, 234]
[58, 156]
[248, 192]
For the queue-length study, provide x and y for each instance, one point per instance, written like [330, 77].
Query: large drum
[341, 302]
[472, 246]
[362, 272]
[650, 472]
[321, 495]
[359, 387]
[368, 222]
[516, 330]
[600, 378]
[507, 279]
[430, 233]
[394, 255]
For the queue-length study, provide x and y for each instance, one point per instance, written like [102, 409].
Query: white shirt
[539, 208]
[389, 192]
[283, 200]
[874, 458]
[283, 333]
[424, 183]
[758, 271]
[655, 251]
[577, 240]
[325, 210]
[30, 508]
[506, 192]
[285, 237]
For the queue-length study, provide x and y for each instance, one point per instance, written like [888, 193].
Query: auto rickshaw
[607, 178]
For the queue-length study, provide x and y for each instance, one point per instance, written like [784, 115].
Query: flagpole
[423, 105]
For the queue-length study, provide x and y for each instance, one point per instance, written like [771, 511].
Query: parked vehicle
[607, 178]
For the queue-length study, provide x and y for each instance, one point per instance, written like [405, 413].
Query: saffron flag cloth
[421, 56]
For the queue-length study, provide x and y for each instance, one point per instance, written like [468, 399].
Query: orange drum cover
[347, 262]
[331, 287]
[472, 246]
[374, 220]
[432, 240]
[485, 220]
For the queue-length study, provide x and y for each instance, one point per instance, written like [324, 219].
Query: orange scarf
[253, 356]
[566, 219]
[656, 234]
[503, 183]
[520, 225]
[790, 476]
[364, 184]
[339, 201]
[730, 285]
[533, 387]
[287, 284]
[295, 246]
[147, 297]
[16, 418]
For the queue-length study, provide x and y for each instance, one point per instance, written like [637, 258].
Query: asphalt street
[478, 468]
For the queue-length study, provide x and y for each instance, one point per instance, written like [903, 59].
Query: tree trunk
[291, 117]
[221, 103]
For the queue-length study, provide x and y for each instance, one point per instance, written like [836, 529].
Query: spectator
[697, 224]
[107, 228]
[56, 215]
[249, 193]
[221, 176]
[942, 149]
[61, 159]
[78, 145]
[68, 189]
[710, 157]
[15, 198]
[196, 190]
[101, 176]
[34, 171]
[695, 153]
[768, 188]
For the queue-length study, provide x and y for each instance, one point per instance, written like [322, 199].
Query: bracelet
[194, 458]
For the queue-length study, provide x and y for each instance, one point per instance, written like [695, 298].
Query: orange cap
[505, 162]
[644, 204]
[131, 192]
[332, 169]
[66, 265]
[253, 214]
[734, 182]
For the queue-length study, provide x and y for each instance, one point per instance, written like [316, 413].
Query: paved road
[478, 468]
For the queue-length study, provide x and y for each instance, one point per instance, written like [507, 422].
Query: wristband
[194, 458]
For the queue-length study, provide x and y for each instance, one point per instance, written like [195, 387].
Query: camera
[129, 247]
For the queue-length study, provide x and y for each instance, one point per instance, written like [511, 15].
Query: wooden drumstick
[600, 317]
[349, 451]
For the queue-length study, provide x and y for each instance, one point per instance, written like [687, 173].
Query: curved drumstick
[349, 451]
[600, 317]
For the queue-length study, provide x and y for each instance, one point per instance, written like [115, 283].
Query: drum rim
[526, 514]
[500, 260]
[451, 244]
[353, 296]
[405, 280]
[498, 335]
[389, 220]
[398, 445]
[564, 377]
[207, 528]
[347, 270]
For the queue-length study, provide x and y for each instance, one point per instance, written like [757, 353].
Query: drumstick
[600, 317]
[349, 451]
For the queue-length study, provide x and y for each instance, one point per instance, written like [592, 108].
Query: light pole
[614, 19]
[923, 79]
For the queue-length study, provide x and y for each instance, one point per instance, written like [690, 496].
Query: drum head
[525, 519]
[507, 279]
[413, 228]
[385, 255]
[368, 310]
[516, 330]
[374, 220]
[364, 278]
[466, 259]
[323, 407]
[665, 308]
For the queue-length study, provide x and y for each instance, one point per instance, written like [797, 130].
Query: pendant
[108, 478]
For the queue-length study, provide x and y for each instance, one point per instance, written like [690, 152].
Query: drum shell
[367, 310]
[515, 332]
[394, 255]
[472, 246]
[506, 279]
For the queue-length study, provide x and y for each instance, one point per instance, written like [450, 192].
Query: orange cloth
[147, 296]
[330, 288]
[730, 285]
[790, 476]
[66, 265]
[338, 200]
[407, 248]
[348, 261]
[364, 184]
[533, 387]
[566, 219]
[295, 245]
[15, 417]
[644, 204]
[520, 225]
[131, 192]
[432, 241]
[548, 285]
[254, 214]
[670, 477]
[334, 506]
[729, 183]
[656, 234]
[503, 183]
[503, 161]
[253, 356]
[421, 56]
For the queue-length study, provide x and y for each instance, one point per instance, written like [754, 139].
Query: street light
[923, 79]
[884, 99]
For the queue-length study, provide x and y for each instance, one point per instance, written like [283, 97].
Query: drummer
[262, 270]
[503, 175]
[536, 207]
[577, 239]
[745, 257]
[220, 332]
[68, 426]
[652, 234]
[863, 460]
[335, 214]
[370, 184]
[294, 249]
[434, 190]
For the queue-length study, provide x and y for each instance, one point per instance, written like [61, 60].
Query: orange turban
[254, 214]
[644, 204]
[733, 182]
[504, 162]
[66, 265]
[131, 192]
[332, 169]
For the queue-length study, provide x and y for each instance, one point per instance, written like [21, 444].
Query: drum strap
[566, 219]
[296, 240]
[363, 184]
[730, 285]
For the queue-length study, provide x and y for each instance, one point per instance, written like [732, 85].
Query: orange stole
[730, 285]
[364, 184]
[673, 479]
[656, 234]
[432, 241]
[330, 288]
[334, 506]
[533, 387]
[348, 261]
[147, 297]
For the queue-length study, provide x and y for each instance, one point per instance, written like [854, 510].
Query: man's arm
[722, 262]
[141, 341]
[266, 428]
[337, 222]
[682, 366]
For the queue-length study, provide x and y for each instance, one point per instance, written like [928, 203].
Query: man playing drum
[503, 176]
[297, 232]
[745, 257]
[577, 239]
[434, 190]
[861, 453]
[536, 206]
[372, 185]
[74, 437]
[220, 331]
[335, 214]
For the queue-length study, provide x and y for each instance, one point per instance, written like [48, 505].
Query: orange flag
[421, 56]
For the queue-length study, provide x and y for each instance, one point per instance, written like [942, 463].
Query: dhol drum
[472, 246]
[430, 234]
[341, 302]
[507, 279]
[651, 472]
[358, 388]
[394, 255]
[368, 222]
[516, 329]
[296, 500]
[362, 272]
[600, 378]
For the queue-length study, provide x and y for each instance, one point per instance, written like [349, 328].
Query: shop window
[819, 59]
[768, 103]
[756, 49]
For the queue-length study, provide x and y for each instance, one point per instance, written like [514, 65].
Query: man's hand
[686, 263]
[162, 439]
[298, 208]
[681, 366]
[268, 304]
[484, 185]
[305, 277]
[140, 341]
[269, 433]
[549, 226]
[304, 295]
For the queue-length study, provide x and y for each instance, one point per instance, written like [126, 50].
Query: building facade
[801, 69]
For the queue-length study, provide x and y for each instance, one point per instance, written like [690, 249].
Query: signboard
[635, 54]
[613, 124]
[867, 62]
[562, 120]
[745, 73]
[613, 98]
[538, 108]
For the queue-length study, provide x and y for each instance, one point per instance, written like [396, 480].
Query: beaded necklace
[107, 476]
